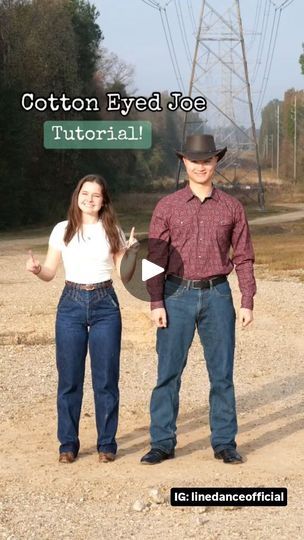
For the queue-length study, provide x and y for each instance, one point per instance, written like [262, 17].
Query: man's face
[202, 171]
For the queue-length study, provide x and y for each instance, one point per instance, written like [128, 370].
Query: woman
[88, 316]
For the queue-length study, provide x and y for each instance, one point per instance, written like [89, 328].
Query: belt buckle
[89, 287]
[196, 281]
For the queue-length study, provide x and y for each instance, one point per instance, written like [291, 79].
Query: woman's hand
[32, 264]
[128, 255]
[133, 244]
[48, 271]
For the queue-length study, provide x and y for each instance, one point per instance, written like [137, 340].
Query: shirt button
[199, 256]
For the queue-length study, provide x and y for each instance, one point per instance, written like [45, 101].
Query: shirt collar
[188, 194]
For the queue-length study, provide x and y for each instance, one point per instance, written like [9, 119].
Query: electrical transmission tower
[220, 74]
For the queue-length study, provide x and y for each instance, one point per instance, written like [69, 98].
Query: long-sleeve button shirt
[203, 234]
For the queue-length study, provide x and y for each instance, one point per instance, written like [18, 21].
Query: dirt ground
[43, 499]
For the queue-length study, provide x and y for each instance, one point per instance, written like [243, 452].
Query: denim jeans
[211, 311]
[88, 319]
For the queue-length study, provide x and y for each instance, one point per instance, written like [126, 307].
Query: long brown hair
[106, 214]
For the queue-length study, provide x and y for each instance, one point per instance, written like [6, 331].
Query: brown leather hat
[201, 147]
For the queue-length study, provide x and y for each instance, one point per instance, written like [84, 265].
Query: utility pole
[295, 139]
[278, 139]
[219, 56]
[266, 147]
[272, 156]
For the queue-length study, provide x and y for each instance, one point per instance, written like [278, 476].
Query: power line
[271, 49]
[169, 40]
[192, 18]
[183, 30]
[286, 4]
[270, 54]
[264, 79]
[174, 52]
[152, 5]
[168, 45]
[155, 3]
[176, 71]
[256, 23]
[261, 40]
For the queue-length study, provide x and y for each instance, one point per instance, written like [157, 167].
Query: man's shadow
[249, 402]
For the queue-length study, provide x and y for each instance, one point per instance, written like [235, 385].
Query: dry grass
[285, 193]
[135, 209]
[25, 338]
[280, 248]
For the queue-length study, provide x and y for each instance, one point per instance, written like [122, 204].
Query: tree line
[281, 139]
[57, 47]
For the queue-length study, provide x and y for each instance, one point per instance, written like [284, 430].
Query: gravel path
[42, 499]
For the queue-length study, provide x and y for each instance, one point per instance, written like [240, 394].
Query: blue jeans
[211, 311]
[88, 319]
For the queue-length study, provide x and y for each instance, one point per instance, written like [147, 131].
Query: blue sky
[133, 31]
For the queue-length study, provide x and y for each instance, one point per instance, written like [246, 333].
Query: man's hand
[245, 316]
[159, 317]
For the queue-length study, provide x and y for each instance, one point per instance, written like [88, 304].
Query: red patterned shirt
[202, 233]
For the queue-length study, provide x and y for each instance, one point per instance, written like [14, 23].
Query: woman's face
[90, 198]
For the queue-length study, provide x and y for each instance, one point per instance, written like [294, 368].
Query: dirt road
[42, 499]
[296, 214]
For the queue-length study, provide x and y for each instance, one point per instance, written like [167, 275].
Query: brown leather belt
[89, 286]
[197, 283]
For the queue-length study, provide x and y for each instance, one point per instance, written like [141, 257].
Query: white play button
[149, 270]
[147, 279]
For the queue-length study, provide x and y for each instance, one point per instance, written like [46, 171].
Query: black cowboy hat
[201, 147]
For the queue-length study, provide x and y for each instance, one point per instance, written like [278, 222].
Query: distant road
[283, 217]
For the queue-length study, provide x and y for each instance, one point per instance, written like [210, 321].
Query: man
[201, 222]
